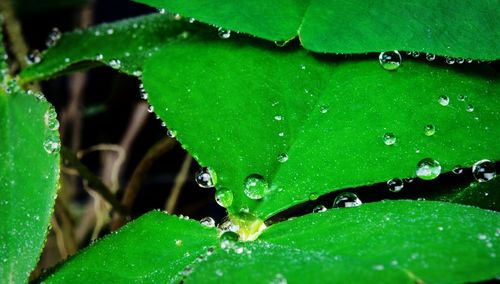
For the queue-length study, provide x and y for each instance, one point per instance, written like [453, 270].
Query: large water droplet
[205, 178]
[395, 185]
[283, 157]
[255, 186]
[224, 197]
[444, 100]
[390, 60]
[207, 222]
[223, 33]
[389, 138]
[53, 38]
[484, 170]
[346, 199]
[319, 209]
[428, 169]
[429, 130]
[228, 239]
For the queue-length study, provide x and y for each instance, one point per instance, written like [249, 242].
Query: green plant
[277, 125]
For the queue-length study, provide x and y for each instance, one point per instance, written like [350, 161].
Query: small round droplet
[255, 186]
[484, 170]
[346, 199]
[278, 117]
[53, 38]
[99, 57]
[223, 33]
[389, 138]
[191, 20]
[161, 11]
[178, 243]
[430, 56]
[313, 196]
[428, 169]
[50, 119]
[110, 31]
[224, 197]
[444, 100]
[469, 108]
[283, 157]
[395, 185]
[34, 57]
[205, 178]
[151, 109]
[458, 170]
[415, 54]
[460, 60]
[323, 109]
[319, 209]
[207, 222]
[390, 60]
[429, 130]
[171, 133]
[461, 98]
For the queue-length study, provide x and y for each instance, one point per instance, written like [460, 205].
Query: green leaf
[453, 28]
[123, 45]
[29, 173]
[394, 241]
[238, 106]
[390, 242]
[153, 249]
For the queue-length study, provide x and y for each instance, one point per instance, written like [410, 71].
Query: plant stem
[180, 180]
[94, 182]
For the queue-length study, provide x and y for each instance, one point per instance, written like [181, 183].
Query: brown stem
[133, 186]
[94, 182]
[180, 180]
[14, 31]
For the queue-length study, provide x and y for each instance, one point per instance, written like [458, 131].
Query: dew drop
[430, 56]
[255, 186]
[205, 178]
[395, 185]
[51, 145]
[115, 64]
[469, 108]
[283, 157]
[460, 60]
[191, 20]
[53, 38]
[223, 33]
[50, 119]
[444, 100]
[323, 109]
[390, 60]
[461, 98]
[389, 138]
[450, 60]
[227, 225]
[319, 209]
[110, 31]
[99, 57]
[484, 170]
[178, 243]
[228, 239]
[161, 11]
[428, 169]
[137, 73]
[429, 130]
[151, 109]
[457, 170]
[313, 196]
[224, 197]
[207, 222]
[415, 54]
[171, 133]
[278, 117]
[34, 57]
[346, 199]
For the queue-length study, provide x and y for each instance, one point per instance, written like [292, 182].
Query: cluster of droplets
[53, 38]
[51, 143]
[34, 57]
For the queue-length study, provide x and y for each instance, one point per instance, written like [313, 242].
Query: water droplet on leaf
[223, 33]
[389, 138]
[283, 157]
[319, 209]
[395, 185]
[429, 130]
[224, 197]
[346, 199]
[207, 222]
[444, 100]
[205, 178]
[255, 186]
[428, 169]
[484, 170]
[390, 60]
